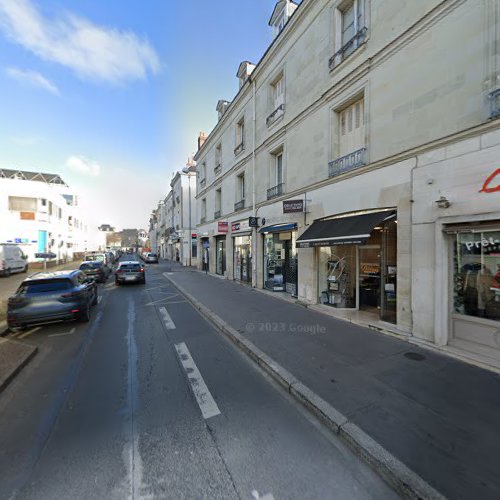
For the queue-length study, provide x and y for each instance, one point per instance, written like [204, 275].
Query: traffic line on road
[63, 333]
[99, 299]
[28, 333]
[167, 319]
[204, 398]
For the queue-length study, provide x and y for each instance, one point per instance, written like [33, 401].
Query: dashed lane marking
[170, 325]
[99, 299]
[205, 401]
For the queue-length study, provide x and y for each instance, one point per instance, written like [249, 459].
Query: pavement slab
[13, 357]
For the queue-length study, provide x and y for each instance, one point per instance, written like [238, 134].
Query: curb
[4, 383]
[406, 482]
[4, 329]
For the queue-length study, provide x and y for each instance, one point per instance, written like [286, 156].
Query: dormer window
[244, 71]
[282, 12]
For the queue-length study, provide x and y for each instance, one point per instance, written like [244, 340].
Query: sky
[112, 94]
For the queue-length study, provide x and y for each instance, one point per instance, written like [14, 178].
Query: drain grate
[414, 356]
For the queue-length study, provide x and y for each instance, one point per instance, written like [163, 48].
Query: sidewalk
[438, 416]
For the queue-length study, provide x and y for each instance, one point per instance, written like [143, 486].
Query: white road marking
[71, 332]
[206, 402]
[167, 319]
[168, 274]
[29, 332]
[99, 299]
[267, 496]
[162, 300]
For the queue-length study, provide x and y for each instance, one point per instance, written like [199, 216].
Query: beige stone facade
[362, 121]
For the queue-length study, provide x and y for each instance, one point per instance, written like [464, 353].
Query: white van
[12, 260]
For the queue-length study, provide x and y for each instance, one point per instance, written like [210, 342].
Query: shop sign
[27, 215]
[486, 186]
[293, 206]
[222, 227]
[22, 240]
[240, 226]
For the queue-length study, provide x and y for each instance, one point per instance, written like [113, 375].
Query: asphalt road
[148, 401]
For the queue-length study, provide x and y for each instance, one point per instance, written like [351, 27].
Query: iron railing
[202, 182]
[495, 103]
[239, 148]
[348, 162]
[279, 111]
[275, 191]
[239, 205]
[349, 47]
[216, 214]
[217, 169]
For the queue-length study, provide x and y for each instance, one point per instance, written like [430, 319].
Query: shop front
[280, 258]
[356, 261]
[242, 251]
[205, 254]
[220, 255]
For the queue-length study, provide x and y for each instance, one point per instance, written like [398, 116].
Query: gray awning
[355, 229]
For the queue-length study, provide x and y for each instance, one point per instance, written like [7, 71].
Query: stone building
[367, 147]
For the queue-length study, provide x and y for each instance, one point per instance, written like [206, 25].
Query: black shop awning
[354, 229]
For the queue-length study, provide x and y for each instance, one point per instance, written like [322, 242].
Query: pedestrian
[177, 255]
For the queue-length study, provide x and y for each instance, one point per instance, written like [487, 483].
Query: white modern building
[367, 147]
[40, 213]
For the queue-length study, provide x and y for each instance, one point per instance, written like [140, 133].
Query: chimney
[201, 140]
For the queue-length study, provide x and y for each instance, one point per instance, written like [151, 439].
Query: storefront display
[476, 277]
[220, 255]
[280, 262]
[243, 258]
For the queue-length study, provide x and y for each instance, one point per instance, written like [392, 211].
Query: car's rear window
[90, 265]
[95, 257]
[44, 286]
[130, 266]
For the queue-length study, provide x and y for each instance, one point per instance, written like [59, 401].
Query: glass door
[389, 272]
[369, 278]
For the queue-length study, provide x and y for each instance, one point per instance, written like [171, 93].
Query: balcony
[203, 219]
[346, 163]
[495, 103]
[216, 214]
[218, 169]
[239, 148]
[275, 191]
[350, 46]
[240, 205]
[277, 113]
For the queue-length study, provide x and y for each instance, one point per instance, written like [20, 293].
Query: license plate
[129, 278]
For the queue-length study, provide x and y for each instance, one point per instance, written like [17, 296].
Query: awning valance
[354, 229]
[277, 228]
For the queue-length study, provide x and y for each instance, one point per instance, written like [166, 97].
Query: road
[149, 401]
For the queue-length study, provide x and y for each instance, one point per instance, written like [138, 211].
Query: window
[50, 208]
[278, 168]
[218, 200]
[241, 187]
[43, 202]
[203, 175]
[352, 128]
[21, 204]
[278, 92]
[203, 209]
[276, 176]
[218, 155]
[240, 137]
[350, 29]
[277, 99]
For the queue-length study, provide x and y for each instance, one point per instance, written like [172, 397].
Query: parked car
[95, 270]
[130, 271]
[100, 257]
[51, 297]
[12, 260]
[151, 258]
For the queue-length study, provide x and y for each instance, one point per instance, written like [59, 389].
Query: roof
[277, 10]
[51, 274]
[31, 176]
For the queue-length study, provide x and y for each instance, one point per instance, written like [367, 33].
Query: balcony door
[352, 128]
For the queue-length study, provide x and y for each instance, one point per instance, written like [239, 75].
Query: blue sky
[112, 94]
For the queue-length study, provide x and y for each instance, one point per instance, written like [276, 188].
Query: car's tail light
[119, 271]
[142, 270]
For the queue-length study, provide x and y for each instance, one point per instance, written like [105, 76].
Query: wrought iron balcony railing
[216, 214]
[495, 103]
[348, 162]
[202, 182]
[239, 148]
[349, 47]
[275, 191]
[277, 113]
[240, 205]
[217, 169]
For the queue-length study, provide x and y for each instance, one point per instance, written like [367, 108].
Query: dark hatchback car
[130, 271]
[50, 297]
[96, 270]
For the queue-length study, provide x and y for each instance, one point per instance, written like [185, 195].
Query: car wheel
[6, 273]
[85, 315]
[25, 270]
[117, 283]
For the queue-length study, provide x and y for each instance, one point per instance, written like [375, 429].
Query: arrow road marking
[62, 334]
[206, 402]
[167, 319]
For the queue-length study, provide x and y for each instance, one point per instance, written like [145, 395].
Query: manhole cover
[414, 356]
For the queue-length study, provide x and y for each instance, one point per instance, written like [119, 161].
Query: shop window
[476, 277]
[280, 262]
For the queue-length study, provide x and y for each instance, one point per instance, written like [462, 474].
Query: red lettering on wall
[486, 186]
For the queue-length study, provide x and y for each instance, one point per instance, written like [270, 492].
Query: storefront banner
[240, 226]
[222, 227]
[293, 206]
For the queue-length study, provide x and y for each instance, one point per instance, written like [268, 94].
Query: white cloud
[83, 166]
[91, 51]
[32, 78]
